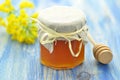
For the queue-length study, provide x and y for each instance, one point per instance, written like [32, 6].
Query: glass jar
[61, 57]
[62, 19]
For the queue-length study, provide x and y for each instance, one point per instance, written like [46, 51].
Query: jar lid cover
[62, 18]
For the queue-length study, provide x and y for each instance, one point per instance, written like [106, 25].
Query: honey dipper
[102, 53]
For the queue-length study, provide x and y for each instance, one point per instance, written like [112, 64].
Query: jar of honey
[62, 38]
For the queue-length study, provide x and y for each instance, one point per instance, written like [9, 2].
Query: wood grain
[21, 61]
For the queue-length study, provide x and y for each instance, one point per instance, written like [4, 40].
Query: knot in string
[50, 36]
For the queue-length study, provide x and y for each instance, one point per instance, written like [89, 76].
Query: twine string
[50, 36]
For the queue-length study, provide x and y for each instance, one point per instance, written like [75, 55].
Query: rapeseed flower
[6, 6]
[35, 15]
[26, 4]
[19, 26]
[2, 22]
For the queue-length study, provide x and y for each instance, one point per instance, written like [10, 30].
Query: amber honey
[61, 57]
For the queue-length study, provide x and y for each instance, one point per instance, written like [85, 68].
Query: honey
[62, 37]
[61, 57]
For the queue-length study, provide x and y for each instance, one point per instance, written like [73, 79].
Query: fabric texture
[63, 19]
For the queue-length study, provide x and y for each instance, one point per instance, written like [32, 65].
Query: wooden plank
[21, 61]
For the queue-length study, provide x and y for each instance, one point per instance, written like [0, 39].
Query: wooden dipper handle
[102, 53]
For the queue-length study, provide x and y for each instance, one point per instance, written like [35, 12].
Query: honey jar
[62, 37]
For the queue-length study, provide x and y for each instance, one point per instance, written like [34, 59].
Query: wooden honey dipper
[102, 53]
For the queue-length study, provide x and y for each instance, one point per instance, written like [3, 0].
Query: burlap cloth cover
[63, 19]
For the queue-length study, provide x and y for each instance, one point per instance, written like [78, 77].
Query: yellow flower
[35, 15]
[26, 34]
[23, 18]
[23, 14]
[13, 37]
[2, 22]
[26, 4]
[6, 6]
[11, 17]
[8, 2]
[29, 40]
[20, 38]
[13, 24]
[20, 26]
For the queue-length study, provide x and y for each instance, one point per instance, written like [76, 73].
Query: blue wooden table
[22, 62]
